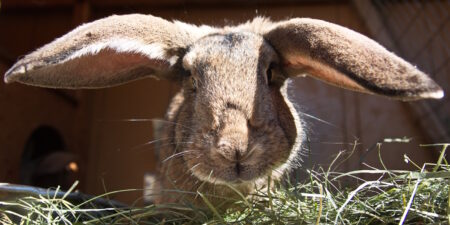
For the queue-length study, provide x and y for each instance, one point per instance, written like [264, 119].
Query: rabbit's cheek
[272, 150]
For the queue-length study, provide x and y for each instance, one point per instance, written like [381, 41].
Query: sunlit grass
[394, 197]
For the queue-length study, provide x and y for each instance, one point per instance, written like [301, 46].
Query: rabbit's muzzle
[238, 152]
[232, 142]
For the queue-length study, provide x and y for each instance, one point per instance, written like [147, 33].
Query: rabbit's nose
[233, 137]
[233, 151]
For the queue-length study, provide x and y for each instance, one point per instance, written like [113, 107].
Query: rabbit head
[235, 123]
[242, 127]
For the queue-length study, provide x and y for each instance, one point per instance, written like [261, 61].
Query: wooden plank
[422, 111]
[18, 4]
[374, 23]
[14, 4]
[81, 12]
[6, 58]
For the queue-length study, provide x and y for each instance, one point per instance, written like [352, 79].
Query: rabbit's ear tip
[11, 74]
[437, 94]
[8, 79]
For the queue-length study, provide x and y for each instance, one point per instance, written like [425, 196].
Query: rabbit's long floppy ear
[103, 53]
[345, 58]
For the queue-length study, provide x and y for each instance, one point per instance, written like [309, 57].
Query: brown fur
[233, 126]
[52, 66]
[231, 117]
[348, 59]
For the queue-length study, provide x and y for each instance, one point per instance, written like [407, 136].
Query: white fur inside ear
[152, 51]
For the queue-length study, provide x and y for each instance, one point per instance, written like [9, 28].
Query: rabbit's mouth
[237, 174]
[214, 168]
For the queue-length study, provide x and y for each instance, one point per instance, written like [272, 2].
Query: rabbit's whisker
[175, 143]
[148, 143]
[193, 167]
[147, 120]
[178, 154]
[318, 119]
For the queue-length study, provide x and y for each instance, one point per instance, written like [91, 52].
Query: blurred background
[54, 137]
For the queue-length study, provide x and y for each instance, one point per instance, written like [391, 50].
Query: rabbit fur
[234, 123]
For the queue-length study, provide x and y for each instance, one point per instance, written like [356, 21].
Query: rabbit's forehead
[234, 50]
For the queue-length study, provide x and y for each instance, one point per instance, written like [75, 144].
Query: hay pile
[395, 197]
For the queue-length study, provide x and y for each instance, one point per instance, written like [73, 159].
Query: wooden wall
[112, 149]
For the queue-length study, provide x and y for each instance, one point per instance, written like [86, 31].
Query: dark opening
[45, 161]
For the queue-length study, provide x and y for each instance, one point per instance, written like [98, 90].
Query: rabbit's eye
[269, 74]
[194, 83]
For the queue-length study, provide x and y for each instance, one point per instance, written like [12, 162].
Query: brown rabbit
[235, 125]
